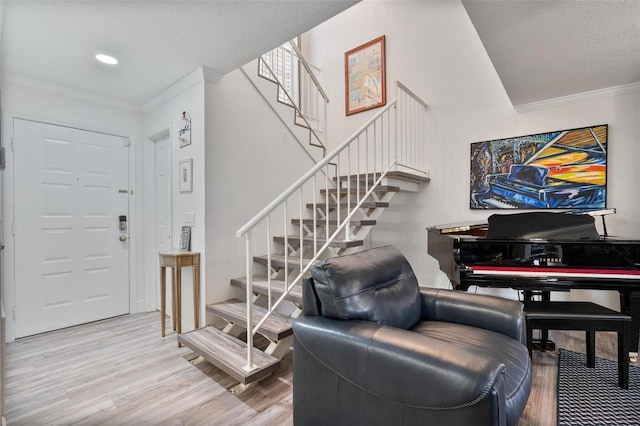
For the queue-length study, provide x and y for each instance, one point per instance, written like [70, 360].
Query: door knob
[123, 238]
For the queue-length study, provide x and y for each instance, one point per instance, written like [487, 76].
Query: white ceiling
[547, 49]
[157, 42]
[541, 49]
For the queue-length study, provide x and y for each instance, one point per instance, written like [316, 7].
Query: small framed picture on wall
[185, 238]
[185, 170]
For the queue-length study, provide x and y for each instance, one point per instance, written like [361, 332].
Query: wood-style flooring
[120, 371]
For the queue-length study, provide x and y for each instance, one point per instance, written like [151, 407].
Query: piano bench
[552, 315]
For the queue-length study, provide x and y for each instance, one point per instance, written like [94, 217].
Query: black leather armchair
[372, 348]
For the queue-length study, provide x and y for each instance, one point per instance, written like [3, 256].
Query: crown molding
[1, 22]
[45, 86]
[579, 97]
[211, 76]
[194, 77]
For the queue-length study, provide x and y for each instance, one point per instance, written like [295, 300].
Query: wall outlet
[189, 219]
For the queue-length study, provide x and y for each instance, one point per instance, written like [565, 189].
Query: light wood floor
[121, 371]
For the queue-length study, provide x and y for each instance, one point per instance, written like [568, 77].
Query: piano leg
[630, 304]
[544, 344]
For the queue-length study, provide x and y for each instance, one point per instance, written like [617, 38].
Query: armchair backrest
[374, 285]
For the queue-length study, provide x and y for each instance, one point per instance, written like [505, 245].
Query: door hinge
[12, 146]
[13, 228]
[127, 142]
[14, 312]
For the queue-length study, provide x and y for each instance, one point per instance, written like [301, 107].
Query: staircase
[303, 108]
[328, 212]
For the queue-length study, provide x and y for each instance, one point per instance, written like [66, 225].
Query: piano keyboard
[498, 203]
[540, 272]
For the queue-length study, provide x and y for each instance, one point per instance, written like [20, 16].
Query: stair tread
[399, 175]
[276, 327]
[229, 354]
[319, 222]
[362, 190]
[366, 205]
[294, 240]
[279, 260]
[260, 284]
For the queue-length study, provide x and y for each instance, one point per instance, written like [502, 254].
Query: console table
[177, 260]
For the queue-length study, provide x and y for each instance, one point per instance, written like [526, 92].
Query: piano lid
[541, 225]
[462, 228]
[480, 228]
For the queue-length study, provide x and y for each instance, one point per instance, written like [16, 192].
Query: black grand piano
[540, 252]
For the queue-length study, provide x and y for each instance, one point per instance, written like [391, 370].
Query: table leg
[196, 297]
[163, 297]
[174, 297]
[179, 301]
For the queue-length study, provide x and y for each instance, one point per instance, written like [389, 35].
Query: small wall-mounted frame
[185, 171]
[364, 69]
[184, 134]
[185, 238]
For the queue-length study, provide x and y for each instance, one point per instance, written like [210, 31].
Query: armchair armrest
[395, 366]
[489, 312]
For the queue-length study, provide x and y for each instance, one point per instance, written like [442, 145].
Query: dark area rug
[591, 396]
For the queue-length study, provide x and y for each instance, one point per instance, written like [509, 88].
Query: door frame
[150, 242]
[9, 275]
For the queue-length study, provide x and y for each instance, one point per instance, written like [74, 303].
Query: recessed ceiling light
[106, 59]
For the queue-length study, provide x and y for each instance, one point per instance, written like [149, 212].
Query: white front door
[71, 258]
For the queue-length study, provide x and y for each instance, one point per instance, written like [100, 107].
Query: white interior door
[71, 257]
[163, 202]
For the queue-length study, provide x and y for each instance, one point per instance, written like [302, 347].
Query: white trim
[150, 243]
[56, 121]
[211, 76]
[2, 2]
[579, 97]
[191, 79]
[68, 92]
[186, 82]
[133, 228]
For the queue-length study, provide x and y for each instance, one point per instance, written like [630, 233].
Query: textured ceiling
[547, 49]
[157, 42]
[541, 49]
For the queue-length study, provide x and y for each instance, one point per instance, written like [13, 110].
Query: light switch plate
[189, 219]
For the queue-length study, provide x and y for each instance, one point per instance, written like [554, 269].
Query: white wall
[187, 95]
[251, 158]
[21, 98]
[433, 48]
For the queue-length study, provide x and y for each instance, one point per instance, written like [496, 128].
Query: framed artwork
[185, 170]
[364, 69]
[184, 134]
[185, 238]
[564, 169]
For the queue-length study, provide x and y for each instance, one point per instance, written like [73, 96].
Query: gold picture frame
[365, 85]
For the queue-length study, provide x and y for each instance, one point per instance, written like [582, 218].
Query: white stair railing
[394, 137]
[299, 88]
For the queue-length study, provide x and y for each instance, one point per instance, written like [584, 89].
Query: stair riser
[260, 286]
[343, 206]
[294, 241]
[276, 327]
